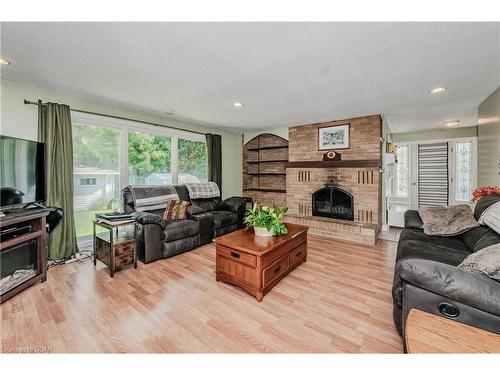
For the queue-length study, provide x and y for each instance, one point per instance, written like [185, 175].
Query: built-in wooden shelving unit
[264, 173]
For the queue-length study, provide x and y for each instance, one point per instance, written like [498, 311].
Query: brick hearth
[363, 183]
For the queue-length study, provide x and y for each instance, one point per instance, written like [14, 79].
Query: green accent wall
[488, 141]
[435, 134]
[21, 120]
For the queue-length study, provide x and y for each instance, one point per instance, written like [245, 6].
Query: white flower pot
[263, 232]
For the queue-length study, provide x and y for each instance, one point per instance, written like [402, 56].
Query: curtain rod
[26, 101]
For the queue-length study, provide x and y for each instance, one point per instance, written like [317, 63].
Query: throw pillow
[447, 220]
[486, 262]
[175, 210]
[491, 217]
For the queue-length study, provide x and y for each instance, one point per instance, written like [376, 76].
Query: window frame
[452, 147]
[125, 126]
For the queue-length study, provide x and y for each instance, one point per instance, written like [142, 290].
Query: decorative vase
[263, 232]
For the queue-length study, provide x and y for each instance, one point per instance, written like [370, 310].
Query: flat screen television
[22, 172]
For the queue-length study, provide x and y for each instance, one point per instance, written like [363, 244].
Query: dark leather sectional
[206, 219]
[426, 276]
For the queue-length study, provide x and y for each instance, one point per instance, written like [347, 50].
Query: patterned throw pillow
[175, 210]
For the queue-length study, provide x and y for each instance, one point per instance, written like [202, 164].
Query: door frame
[412, 200]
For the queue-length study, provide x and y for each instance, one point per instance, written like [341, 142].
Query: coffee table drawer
[237, 256]
[298, 254]
[276, 269]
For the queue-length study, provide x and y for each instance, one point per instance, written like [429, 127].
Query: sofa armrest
[236, 205]
[148, 218]
[413, 220]
[469, 288]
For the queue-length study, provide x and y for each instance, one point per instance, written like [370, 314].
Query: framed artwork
[333, 137]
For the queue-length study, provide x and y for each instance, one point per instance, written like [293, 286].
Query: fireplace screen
[333, 202]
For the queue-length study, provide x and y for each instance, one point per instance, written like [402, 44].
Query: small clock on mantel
[331, 156]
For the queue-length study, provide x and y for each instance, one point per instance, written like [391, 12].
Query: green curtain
[214, 153]
[54, 129]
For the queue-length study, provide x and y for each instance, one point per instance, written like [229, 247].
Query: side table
[118, 249]
[428, 333]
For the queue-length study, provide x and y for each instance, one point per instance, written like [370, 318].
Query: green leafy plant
[267, 217]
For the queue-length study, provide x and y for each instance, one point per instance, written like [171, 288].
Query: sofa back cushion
[491, 217]
[208, 204]
[147, 198]
[484, 203]
[479, 238]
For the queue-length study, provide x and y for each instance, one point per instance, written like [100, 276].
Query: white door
[432, 173]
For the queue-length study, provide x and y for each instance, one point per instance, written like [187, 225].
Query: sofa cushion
[484, 203]
[485, 262]
[447, 220]
[479, 238]
[223, 218]
[175, 210]
[416, 244]
[491, 217]
[179, 229]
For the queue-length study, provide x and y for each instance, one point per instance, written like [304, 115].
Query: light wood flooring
[339, 301]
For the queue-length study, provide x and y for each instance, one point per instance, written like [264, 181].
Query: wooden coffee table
[256, 264]
[428, 333]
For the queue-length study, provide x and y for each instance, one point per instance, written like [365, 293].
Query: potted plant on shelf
[266, 221]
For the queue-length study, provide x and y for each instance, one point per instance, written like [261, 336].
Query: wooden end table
[117, 250]
[256, 264]
[428, 333]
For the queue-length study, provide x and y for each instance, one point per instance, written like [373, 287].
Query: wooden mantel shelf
[335, 164]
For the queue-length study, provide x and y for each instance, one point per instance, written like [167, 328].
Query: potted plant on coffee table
[266, 221]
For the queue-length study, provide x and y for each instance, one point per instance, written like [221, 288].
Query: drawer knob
[277, 269]
[298, 254]
[235, 255]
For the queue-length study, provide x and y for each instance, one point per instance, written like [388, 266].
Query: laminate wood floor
[338, 301]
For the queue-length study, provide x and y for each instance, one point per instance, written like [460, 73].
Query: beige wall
[435, 134]
[488, 141]
[20, 120]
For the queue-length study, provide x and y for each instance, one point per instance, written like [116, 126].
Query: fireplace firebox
[333, 202]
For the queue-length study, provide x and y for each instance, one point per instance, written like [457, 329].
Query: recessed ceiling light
[4, 62]
[238, 104]
[437, 90]
[452, 124]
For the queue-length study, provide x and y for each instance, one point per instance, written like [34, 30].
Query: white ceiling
[286, 73]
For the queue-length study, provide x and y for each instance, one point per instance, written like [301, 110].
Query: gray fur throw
[447, 220]
[485, 261]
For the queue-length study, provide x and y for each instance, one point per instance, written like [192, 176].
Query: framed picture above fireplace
[333, 137]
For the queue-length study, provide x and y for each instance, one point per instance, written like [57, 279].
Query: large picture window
[96, 174]
[149, 159]
[110, 154]
[193, 163]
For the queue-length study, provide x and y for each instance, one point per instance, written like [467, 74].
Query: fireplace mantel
[335, 164]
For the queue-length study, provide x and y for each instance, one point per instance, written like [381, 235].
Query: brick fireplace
[336, 199]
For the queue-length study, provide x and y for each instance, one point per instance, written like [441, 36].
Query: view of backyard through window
[96, 156]
[97, 160]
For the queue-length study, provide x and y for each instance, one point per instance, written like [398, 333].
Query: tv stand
[36, 218]
[26, 209]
